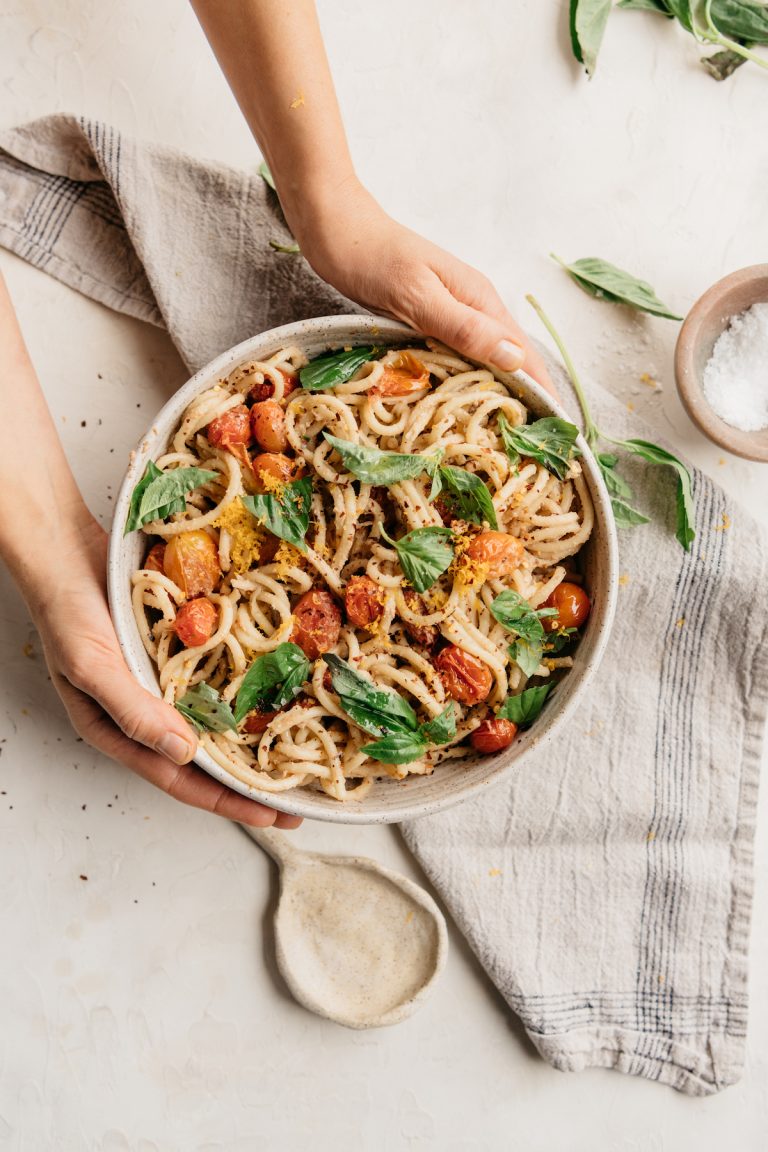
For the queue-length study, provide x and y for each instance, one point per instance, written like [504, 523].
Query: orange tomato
[363, 601]
[196, 622]
[275, 465]
[498, 552]
[404, 375]
[192, 562]
[493, 736]
[268, 426]
[572, 604]
[155, 558]
[317, 623]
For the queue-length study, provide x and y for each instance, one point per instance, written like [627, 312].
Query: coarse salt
[736, 375]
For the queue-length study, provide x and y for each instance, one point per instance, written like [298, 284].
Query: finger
[470, 287]
[185, 782]
[142, 717]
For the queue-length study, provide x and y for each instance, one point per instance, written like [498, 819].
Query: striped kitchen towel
[606, 889]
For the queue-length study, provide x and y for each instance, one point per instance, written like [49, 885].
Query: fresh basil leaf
[527, 653]
[287, 515]
[607, 282]
[376, 710]
[443, 728]
[646, 6]
[397, 748]
[686, 533]
[515, 613]
[607, 459]
[272, 680]
[266, 175]
[723, 64]
[159, 495]
[373, 466]
[558, 641]
[204, 708]
[551, 442]
[616, 484]
[289, 249]
[626, 516]
[741, 20]
[681, 10]
[523, 709]
[588, 19]
[466, 493]
[336, 368]
[423, 554]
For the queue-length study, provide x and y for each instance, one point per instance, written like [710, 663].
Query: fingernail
[176, 748]
[508, 356]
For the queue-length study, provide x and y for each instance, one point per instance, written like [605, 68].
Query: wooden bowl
[704, 324]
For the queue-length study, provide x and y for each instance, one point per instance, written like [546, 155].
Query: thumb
[471, 332]
[140, 715]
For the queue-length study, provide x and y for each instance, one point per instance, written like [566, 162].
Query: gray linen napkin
[606, 889]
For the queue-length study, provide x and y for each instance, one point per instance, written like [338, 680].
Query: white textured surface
[139, 1010]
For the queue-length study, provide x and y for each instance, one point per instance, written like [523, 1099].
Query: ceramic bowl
[388, 801]
[703, 326]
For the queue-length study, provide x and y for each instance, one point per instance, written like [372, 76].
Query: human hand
[106, 705]
[374, 260]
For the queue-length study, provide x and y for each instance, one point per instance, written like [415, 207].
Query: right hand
[107, 707]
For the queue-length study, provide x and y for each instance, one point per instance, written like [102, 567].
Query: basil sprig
[619, 490]
[159, 495]
[550, 441]
[515, 613]
[385, 713]
[523, 709]
[286, 515]
[465, 493]
[373, 466]
[734, 25]
[607, 282]
[336, 368]
[424, 555]
[272, 680]
[206, 710]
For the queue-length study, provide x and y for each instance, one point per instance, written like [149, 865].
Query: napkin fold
[606, 889]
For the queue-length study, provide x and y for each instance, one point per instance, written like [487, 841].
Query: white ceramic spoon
[355, 942]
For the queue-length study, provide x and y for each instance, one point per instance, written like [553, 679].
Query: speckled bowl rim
[690, 385]
[315, 335]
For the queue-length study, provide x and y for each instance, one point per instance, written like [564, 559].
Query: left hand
[386, 267]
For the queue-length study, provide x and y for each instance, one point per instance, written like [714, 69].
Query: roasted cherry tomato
[363, 601]
[317, 623]
[266, 389]
[268, 426]
[493, 736]
[192, 562]
[404, 375]
[423, 634]
[268, 547]
[572, 604]
[196, 622]
[232, 427]
[276, 466]
[464, 677]
[256, 722]
[498, 552]
[155, 558]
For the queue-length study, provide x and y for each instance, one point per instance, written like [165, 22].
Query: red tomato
[266, 390]
[572, 604]
[155, 558]
[493, 736]
[233, 427]
[196, 622]
[256, 722]
[464, 677]
[363, 601]
[317, 623]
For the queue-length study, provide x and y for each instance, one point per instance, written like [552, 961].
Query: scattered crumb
[83, 424]
[679, 623]
[25, 711]
[630, 407]
[624, 579]
[494, 871]
[298, 101]
[722, 461]
[726, 523]
[646, 378]
[661, 979]
[28, 651]
[408, 918]
[651, 835]
[83, 877]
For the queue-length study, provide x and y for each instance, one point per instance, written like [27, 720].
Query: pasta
[388, 558]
